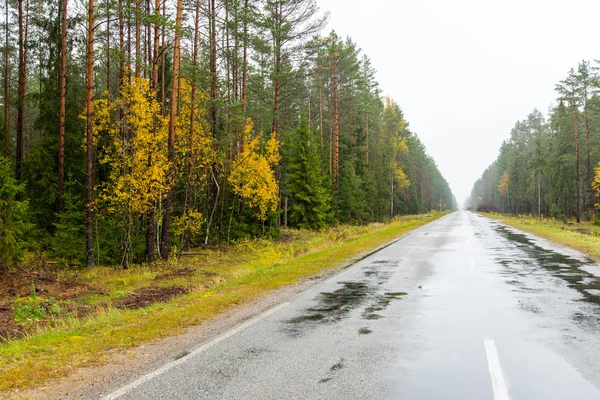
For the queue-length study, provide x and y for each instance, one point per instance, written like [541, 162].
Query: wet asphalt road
[463, 308]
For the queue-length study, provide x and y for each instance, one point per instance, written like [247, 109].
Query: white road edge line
[148, 377]
[498, 383]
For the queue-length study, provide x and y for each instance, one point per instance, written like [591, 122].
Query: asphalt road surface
[463, 308]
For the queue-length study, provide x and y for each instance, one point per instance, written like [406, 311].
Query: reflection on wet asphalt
[433, 316]
[535, 300]
[558, 265]
[537, 272]
[331, 307]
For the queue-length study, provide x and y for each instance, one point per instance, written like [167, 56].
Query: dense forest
[135, 129]
[549, 166]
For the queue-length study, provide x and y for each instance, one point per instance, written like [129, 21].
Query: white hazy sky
[464, 71]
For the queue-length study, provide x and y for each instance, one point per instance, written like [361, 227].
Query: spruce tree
[68, 241]
[310, 206]
[13, 216]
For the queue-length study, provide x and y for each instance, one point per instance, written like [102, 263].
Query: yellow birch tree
[253, 173]
[195, 155]
[503, 186]
[136, 155]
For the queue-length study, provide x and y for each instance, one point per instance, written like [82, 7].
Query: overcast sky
[464, 71]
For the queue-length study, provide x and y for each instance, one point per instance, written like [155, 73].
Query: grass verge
[583, 237]
[217, 279]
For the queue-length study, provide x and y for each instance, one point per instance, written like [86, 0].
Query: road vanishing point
[462, 308]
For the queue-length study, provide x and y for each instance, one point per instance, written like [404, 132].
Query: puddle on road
[380, 303]
[559, 265]
[530, 307]
[380, 271]
[333, 370]
[332, 307]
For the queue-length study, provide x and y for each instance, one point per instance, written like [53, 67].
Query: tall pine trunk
[121, 46]
[367, 148]
[589, 175]
[162, 57]
[138, 43]
[245, 62]
[213, 66]
[6, 84]
[129, 40]
[189, 184]
[108, 22]
[236, 53]
[151, 216]
[336, 129]
[331, 138]
[165, 242]
[149, 60]
[151, 225]
[321, 114]
[156, 49]
[212, 199]
[277, 72]
[60, 204]
[21, 88]
[577, 180]
[89, 154]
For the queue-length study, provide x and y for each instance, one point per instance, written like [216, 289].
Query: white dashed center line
[498, 383]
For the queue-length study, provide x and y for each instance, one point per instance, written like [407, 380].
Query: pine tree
[165, 234]
[6, 82]
[89, 139]
[60, 203]
[288, 22]
[568, 89]
[23, 46]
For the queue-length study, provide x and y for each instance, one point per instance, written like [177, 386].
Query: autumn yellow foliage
[398, 144]
[503, 185]
[401, 149]
[197, 140]
[195, 156]
[137, 154]
[596, 183]
[190, 222]
[253, 174]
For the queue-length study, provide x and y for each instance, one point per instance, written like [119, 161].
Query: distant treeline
[168, 124]
[549, 166]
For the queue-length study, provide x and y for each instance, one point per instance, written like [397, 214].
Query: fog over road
[463, 308]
